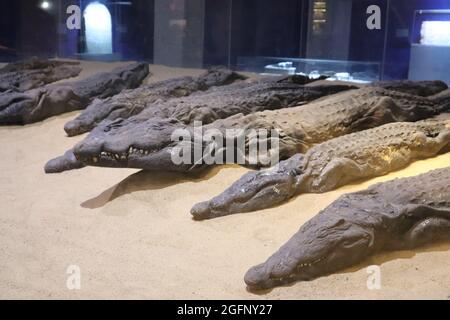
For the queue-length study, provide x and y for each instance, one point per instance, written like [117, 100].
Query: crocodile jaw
[316, 250]
[131, 143]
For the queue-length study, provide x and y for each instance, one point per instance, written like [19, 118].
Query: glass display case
[325, 36]
[430, 47]
[344, 70]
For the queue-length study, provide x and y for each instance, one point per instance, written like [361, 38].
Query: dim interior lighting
[320, 4]
[435, 33]
[319, 13]
[45, 5]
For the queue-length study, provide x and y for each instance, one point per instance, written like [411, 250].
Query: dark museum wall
[266, 28]
[27, 30]
[253, 28]
[366, 45]
[179, 33]
[8, 32]
[217, 40]
[135, 26]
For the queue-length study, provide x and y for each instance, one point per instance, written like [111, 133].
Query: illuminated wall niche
[319, 16]
[98, 24]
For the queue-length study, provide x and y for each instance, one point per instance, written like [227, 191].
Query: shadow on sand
[148, 180]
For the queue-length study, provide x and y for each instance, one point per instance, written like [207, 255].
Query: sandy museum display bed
[131, 233]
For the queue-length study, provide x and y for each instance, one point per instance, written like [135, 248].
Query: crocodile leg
[420, 88]
[427, 231]
[336, 173]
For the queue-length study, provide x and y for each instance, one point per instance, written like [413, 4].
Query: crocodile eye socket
[352, 242]
[338, 223]
[347, 243]
[432, 134]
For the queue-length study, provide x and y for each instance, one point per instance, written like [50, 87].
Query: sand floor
[131, 234]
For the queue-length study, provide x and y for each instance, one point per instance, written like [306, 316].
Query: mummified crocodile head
[255, 190]
[325, 244]
[131, 144]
